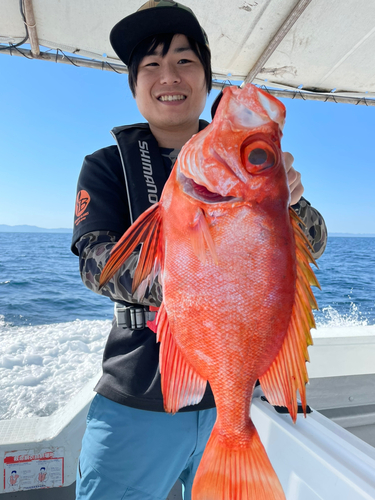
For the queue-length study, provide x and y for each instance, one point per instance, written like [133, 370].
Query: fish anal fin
[287, 373]
[201, 238]
[145, 230]
[181, 385]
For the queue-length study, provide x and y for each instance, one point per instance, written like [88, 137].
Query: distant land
[352, 235]
[4, 228]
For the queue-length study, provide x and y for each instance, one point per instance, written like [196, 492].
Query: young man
[131, 448]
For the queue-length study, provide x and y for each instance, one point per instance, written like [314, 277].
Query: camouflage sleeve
[314, 228]
[94, 249]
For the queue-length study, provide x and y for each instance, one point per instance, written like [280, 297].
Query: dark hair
[148, 46]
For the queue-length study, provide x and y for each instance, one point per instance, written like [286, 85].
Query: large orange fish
[237, 303]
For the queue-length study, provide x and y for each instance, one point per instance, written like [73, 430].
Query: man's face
[171, 90]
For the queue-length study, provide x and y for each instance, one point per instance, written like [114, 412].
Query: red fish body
[236, 287]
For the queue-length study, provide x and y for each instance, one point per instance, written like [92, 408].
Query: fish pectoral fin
[288, 372]
[201, 238]
[146, 230]
[181, 385]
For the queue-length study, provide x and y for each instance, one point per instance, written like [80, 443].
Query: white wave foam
[330, 317]
[330, 323]
[42, 367]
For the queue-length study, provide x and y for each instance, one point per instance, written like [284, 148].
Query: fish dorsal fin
[180, 383]
[201, 238]
[146, 231]
[288, 372]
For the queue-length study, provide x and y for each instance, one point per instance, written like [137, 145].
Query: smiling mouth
[164, 98]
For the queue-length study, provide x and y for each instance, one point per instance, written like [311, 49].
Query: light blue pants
[130, 454]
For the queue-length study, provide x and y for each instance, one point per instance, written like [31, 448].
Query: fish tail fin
[236, 473]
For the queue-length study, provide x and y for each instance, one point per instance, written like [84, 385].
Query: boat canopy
[317, 49]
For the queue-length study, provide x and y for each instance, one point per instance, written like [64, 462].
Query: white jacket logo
[147, 172]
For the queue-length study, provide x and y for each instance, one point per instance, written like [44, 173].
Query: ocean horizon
[25, 228]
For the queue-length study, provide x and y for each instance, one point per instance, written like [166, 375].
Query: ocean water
[53, 330]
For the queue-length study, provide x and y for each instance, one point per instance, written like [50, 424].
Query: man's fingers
[288, 160]
[293, 176]
[294, 179]
[296, 190]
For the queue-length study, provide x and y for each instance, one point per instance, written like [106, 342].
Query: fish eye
[258, 155]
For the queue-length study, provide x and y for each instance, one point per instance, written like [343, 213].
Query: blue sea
[53, 329]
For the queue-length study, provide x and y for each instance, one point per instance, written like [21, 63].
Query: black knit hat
[153, 18]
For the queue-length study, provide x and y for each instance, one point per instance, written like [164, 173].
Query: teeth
[172, 97]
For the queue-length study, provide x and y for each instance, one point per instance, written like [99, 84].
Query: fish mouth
[201, 193]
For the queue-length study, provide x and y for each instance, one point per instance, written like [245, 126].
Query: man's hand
[294, 179]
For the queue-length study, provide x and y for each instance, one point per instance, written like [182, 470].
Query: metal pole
[119, 68]
[318, 96]
[277, 39]
[31, 27]
[64, 59]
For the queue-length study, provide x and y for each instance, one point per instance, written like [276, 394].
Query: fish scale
[236, 283]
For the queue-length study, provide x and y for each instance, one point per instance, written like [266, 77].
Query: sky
[52, 115]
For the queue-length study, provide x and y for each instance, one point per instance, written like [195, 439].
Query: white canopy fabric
[316, 45]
